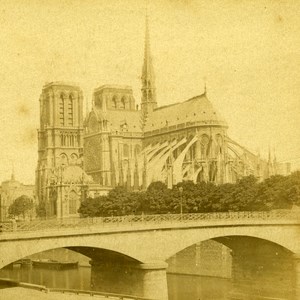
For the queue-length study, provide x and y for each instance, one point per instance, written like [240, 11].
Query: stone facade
[60, 178]
[120, 144]
[132, 147]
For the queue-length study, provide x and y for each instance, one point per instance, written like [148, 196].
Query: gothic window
[63, 159]
[204, 146]
[46, 116]
[137, 150]
[62, 142]
[70, 111]
[114, 102]
[74, 158]
[61, 108]
[122, 104]
[73, 203]
[125, 150]
[219, 141]
[191, 152]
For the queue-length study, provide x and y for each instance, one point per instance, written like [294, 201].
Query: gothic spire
[148, 79]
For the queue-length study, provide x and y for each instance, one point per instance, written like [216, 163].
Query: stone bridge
[136, 247]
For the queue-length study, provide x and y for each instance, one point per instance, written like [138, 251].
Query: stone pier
[296, 265]
[147, 280]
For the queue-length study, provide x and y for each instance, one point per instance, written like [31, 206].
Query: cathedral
[122, 143]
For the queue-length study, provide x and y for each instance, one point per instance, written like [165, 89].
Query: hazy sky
[248, 51]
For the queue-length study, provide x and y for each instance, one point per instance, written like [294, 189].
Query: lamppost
[180, 191]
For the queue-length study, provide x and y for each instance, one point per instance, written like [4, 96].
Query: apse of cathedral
[122, 143]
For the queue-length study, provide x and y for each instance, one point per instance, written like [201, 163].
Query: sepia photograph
[150, 149]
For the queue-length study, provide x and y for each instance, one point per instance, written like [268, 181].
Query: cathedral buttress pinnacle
[148, 80]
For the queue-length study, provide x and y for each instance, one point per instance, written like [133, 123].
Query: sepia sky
[247, 51]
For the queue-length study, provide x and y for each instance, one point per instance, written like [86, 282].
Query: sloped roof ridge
[176, 103]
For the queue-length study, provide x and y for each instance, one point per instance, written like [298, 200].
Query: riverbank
[29, 294]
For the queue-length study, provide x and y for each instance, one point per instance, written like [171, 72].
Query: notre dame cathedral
[123, 144]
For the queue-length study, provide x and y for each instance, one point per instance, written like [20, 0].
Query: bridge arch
[238, 242]
[273, 235]
[91, 247]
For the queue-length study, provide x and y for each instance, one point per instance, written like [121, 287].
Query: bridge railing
[95, 293]
[217, 217]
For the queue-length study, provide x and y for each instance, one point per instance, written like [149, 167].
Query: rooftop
[113, 86]
[197, 109]
[61, 83]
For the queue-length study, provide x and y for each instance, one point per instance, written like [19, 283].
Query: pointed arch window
[219, 144]
[61, 108]
[114, 102]
[62, 141]
[70, 110]
[125, 150]
[122, 104]
[64, 159]
[137, 150]
[73, 203]
[204, 146]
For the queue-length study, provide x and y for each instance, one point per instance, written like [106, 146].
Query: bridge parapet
[157, 221]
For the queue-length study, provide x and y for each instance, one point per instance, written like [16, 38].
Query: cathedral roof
[113, 87]
[198, 110]
[61, 84]
[118, 118]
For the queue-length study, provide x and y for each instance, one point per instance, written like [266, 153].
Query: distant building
[10, 190]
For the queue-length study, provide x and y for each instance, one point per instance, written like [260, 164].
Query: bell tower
[60, 136]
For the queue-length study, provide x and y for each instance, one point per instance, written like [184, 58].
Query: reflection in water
[264, 277]
[78, 279]
[181, 287]
[186, 287]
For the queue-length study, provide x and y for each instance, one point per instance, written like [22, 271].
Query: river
[180, 287]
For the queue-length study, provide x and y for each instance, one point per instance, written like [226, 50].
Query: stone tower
[60, 136]
[148, 79]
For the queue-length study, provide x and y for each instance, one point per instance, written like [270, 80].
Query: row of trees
[277, 192]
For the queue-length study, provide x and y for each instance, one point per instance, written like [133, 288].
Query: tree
[276, 192]
[118, 202]
[91, 207]
[157, 199]
[244, 194]
[21, 206]
[121, 202]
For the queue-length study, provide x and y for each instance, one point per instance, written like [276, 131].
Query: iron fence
[155, 220]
